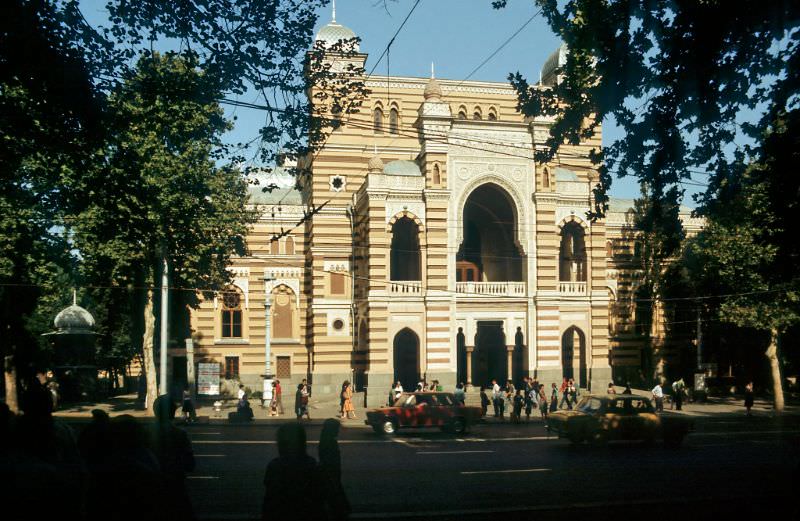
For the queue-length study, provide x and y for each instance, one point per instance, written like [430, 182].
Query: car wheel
[599, 437]
[458, 426]
[575, 438]
[388, 427]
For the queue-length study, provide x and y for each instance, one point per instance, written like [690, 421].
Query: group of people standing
[531, 395]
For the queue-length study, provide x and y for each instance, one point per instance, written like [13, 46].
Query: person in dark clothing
[300, 402]
[627, 389]
[330, 463]
[484, 401]
[294, 487]
[173, 450]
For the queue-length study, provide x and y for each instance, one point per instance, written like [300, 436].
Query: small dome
[375, 164]
[74, 319]
[332, 33]
[402, 167]
[433, 91]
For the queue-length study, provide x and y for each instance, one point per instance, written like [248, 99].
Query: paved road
[729, 464]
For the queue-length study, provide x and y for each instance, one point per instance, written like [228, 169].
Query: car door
[406, 412]
[422, 410]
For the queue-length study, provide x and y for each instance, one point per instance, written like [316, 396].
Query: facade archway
[490, 225]
[490, 357]
[572, 253]
[405, 261]
[406, 358]
[283, 318]
[573, 356]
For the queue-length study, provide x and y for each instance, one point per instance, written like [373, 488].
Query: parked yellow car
[603, 418]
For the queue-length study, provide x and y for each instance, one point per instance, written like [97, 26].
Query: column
[190, 368]
[510, 353]
[469, 349]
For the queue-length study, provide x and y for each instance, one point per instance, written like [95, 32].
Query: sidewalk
[326, 407]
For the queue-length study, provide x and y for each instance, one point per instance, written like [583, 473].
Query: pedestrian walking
[187, 407]
[678, 388]
[497, 399]
[519, 403]
[748, 397]
[530, 399]
[510, 393]
[611, 389]
[300, 403]
[553, 398]
[484, 402]
[459, 394]
[658, 396]
[240, 393]
[276, 407]
[564, 393]
[349, 411]
[572, 394]
[542, 397]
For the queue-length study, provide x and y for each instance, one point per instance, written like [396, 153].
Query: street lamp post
[267, 392]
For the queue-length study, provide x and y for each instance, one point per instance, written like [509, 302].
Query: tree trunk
[10, 373]
[775, 370]
[147, 352]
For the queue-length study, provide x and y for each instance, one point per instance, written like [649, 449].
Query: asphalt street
[728, 464]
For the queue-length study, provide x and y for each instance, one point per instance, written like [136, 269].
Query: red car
[425, 409]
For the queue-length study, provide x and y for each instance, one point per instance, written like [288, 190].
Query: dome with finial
[332, 32]
[74, 319]
[433, 91]
[375, 164]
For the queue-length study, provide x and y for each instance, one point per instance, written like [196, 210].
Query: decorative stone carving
[293, 284]
[395, 182]
[502, 181]
[241, 279]
[566, 214]
[394, 207]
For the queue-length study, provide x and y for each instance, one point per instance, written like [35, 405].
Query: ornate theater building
[444, 252]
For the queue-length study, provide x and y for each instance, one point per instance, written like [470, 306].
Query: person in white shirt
[658, 396]
[497, 399]
[240, 394]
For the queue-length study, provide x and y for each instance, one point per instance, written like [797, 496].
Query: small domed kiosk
[74, 362]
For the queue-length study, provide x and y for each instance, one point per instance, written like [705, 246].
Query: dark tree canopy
[676, 76]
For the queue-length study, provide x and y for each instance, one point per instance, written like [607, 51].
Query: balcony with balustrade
[577, 288]
[404, 288]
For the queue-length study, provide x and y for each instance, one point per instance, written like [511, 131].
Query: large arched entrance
[490, 235]
[573, 356]
[490, 358]
[406, 359]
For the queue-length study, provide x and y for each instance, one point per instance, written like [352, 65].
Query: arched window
[377, 120]
[231, 314]
[289, 246]
[274, 247]
[546, 177]
[283, 315]
[405, 253]
[437, 176]
[572, 255]
[462, 112]
[394, 121]
[477, 113]
[492, 116]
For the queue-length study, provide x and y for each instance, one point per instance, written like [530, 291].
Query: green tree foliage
[50, 121]
[160, 193]
[748, 252]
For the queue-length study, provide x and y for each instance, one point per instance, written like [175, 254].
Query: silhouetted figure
[175, 456]
[294, 487]
[330, 463]
[94, 443]
[43, 463]
[243, 410]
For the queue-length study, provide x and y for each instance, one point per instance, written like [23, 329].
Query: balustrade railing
[513, 289]
[572, 288]
[404, 287]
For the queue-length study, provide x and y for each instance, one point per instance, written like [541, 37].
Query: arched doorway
[573, 355]
[490, 235]
[405, 253]
[406, 359]
[490, 358]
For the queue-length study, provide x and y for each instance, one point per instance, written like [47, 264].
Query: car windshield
[589, 405]
[405, 400]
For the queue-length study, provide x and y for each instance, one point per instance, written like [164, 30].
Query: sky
[457, 35]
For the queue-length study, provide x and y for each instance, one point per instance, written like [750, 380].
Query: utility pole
[164, 389]
[267, 392]
[190, 378]
[699, 340]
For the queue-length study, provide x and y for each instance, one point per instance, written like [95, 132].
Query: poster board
[208, 379]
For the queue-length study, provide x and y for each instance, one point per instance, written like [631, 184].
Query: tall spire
[433, 74]
[74, 297]
[333, 13]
